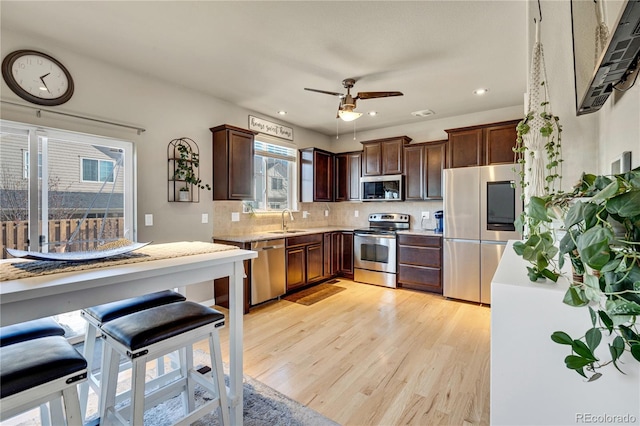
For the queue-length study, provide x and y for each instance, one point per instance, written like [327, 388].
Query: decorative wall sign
[270, 128]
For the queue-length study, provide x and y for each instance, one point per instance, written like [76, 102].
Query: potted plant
[186, 163]
[601, 221]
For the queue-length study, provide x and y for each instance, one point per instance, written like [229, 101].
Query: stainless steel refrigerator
[480, 206]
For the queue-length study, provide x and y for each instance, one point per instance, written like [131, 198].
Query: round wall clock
[37, 77]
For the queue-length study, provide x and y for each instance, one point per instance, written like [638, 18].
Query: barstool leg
[109, 381]
[89, 348]
[72, 406]
[218, 377]
[55, 411]
[187, 366]
[138, 373]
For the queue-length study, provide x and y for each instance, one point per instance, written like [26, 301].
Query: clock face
[37, 78]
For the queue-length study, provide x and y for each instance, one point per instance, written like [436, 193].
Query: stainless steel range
[375, 249]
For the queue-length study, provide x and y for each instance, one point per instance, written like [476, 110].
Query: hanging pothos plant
[185, 167]
[600, 218]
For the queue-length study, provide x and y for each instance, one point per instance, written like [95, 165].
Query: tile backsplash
[318, 215]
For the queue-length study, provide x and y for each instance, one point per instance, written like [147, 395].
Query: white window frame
[25, 164]
[293, 174]
[82, 179]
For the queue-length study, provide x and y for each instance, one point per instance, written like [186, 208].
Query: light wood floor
[375, 356]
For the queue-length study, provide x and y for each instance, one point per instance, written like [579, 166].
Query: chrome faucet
[284, 226]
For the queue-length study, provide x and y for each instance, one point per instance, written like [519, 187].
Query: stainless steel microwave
[382, 188]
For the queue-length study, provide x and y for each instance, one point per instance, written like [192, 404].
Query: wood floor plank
[375, 356]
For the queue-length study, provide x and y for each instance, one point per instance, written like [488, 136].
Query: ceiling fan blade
[325, 92]
[372, 95]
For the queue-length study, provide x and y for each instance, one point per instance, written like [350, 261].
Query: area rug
[314, 294]
[263, 405]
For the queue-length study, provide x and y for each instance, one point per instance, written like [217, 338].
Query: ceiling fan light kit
[346, 115]
[348, 103]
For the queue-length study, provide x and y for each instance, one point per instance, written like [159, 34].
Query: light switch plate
[235, 217]
[326, 212]
[205, 218]
[425, 215]
[356, 213]
[148, 220]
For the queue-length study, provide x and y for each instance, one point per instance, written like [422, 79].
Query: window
[275, 177]
[97, 170]
[56, 209]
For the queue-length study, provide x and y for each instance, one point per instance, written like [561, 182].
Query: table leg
[236, 311]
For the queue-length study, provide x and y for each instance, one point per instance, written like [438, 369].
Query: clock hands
[45, 84]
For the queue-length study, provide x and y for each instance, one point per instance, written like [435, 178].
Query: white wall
[165, 110]
[590, 141]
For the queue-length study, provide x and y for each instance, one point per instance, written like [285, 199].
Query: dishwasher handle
[270, 247]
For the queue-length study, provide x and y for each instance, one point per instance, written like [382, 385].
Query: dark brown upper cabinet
[384, 156]
[423, 164]
[233, 153]
[316, 175]
[482, 145]
[348, 169]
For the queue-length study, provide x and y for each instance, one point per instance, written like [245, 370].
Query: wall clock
[37, 77]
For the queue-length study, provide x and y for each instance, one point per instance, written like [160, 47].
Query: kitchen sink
[288, 231]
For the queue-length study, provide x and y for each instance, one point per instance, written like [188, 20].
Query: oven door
[375, 252]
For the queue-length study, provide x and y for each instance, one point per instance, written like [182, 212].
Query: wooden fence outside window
[16, 234]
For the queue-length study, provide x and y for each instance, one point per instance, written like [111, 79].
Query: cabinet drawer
[304, 239]
[420, 256]
[419, 275]
[420, 240]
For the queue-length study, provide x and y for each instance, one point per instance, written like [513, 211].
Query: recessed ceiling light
[372, 113]
[282, 112]
[480, 92]
[423, 113]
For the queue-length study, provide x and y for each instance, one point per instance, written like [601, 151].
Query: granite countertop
[276, 234]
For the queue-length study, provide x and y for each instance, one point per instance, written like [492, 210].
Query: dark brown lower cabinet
[342, 253]
[420, 262]
[305, 260]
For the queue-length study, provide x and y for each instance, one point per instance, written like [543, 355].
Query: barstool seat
[151, 333]
[40, 370]
[29, 330]
[110, 311]
[98, 315]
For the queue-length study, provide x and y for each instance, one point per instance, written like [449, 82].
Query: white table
[47, 295]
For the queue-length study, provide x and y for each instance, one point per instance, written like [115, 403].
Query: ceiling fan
[348, 103]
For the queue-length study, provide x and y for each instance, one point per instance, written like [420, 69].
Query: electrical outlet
[205, 218]
[148, 220]
[235, 217]
[356, 213]
[425, 215]
[326, 213]
[305, 214]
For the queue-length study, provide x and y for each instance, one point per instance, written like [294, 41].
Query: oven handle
[363, 235]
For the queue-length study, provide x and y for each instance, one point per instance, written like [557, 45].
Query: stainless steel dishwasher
[268, 277]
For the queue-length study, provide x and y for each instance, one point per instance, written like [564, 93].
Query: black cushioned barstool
[29, 330]
[149, 334]
[97, 316]
[37, 371]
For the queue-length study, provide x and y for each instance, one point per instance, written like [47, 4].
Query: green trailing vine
[186, 164]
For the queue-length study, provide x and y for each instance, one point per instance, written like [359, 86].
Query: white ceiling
[261, 55]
